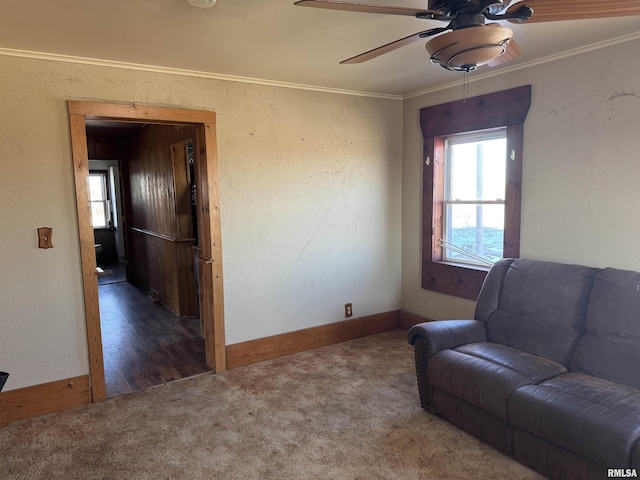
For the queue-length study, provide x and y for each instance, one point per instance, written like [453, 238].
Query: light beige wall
[581, 179]
[310, 188]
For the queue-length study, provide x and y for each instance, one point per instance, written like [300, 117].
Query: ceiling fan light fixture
[466, 49]
[202, 3]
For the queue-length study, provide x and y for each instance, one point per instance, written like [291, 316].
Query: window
[100, 211]
[473, 204]
[472, 176]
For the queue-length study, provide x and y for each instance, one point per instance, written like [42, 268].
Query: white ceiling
[270, 40]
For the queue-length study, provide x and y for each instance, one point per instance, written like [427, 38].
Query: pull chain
[465, 86]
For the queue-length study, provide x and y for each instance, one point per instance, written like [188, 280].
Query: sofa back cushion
[541, 308]
[489, 298]
[610, 348]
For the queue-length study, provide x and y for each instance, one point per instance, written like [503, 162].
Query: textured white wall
[581, 178]
[310, 188]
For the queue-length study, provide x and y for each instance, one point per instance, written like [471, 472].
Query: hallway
[144, 344]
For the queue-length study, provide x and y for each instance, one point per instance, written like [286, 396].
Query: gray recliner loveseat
[548, 370]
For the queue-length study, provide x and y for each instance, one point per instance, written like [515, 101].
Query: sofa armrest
[431, 337]
[446, 334]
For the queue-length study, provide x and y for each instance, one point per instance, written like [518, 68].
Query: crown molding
[187, 73]
[522, 66]
[314, 88]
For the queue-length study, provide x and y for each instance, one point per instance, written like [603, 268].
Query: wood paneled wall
[160, 233]
[165, 265]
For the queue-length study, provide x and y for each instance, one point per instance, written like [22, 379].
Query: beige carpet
[347, 411]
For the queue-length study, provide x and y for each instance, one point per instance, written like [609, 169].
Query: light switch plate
[45, 237]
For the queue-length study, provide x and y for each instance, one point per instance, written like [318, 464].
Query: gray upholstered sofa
[549, 369]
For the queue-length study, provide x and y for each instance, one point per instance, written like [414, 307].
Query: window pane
[478, 229]
[477, 169]
[97, 188]
[98, 215]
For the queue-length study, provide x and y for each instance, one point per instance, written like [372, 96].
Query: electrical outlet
[348, 310]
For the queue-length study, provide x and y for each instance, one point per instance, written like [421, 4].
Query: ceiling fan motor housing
[448, 6]
[451, 8]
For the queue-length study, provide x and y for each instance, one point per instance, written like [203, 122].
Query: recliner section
[486, 374]
[586, 415]
[548, 370]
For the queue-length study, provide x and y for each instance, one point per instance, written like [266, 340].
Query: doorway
[149, 317]
[208, 258]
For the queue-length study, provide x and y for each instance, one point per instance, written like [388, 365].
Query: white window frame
[470, 258]
[104, 200]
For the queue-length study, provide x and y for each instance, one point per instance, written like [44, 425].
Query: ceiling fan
[468, 41]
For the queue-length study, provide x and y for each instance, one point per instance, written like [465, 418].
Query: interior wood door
[186, 228]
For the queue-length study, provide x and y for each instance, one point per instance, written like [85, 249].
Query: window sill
[458, 280]
[464, 265]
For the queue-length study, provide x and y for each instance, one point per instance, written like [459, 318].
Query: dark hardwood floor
[112, 274]
[144, 344]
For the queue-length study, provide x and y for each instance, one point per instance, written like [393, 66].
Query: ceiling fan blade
[376, 52]
[513, 51]
[553, 10]
[367, 8]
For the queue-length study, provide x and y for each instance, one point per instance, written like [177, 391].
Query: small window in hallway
[100, 211]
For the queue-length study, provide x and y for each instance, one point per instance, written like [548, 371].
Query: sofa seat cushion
[485, 374]
[587, 415]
